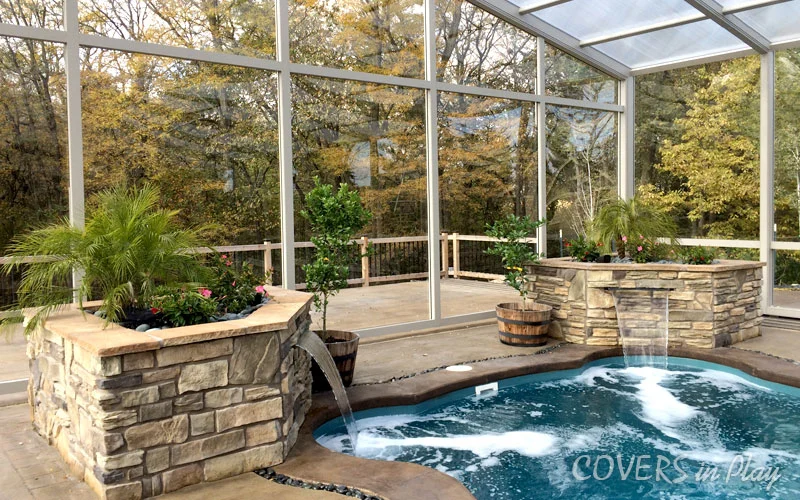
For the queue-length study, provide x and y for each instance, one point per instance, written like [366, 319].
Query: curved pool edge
[311, 461]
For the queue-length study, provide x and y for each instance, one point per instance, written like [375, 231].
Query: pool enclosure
[446, 114]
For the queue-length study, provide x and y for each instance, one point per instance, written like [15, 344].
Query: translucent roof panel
[690, 41]
[778, 23]
[585, 19]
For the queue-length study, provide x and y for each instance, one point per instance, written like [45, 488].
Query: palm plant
[129, 246]
[631, 218]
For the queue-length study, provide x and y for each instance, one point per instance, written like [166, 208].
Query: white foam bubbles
[527, 443]
[660, 407]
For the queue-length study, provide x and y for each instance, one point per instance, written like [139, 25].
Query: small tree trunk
[325, 316]
[620, 249]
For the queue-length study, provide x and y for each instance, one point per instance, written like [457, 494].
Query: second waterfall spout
[643, 319]
[313, 345]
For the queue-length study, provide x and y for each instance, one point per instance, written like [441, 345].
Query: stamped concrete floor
[30, 469]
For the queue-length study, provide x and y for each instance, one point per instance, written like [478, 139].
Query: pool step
[779, 322]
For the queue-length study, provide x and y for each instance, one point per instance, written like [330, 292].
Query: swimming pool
[695, 430]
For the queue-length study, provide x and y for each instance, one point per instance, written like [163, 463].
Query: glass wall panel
[379, 36]
[787, 145]
[787, 279]
[34, 176]
[36, 13]
[697, 147]
[371, 137]
[476, 48]
[205, 134]
[487, 170]
[581, 170]
[246, 28]
[566, 76]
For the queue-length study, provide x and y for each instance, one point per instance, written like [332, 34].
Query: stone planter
[137, 415]
[709, 306]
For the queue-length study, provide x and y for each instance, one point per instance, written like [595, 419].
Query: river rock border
[136, 416]
[709, 306]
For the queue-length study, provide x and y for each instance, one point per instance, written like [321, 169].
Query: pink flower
[228, 263]
[223, 257]
[205, 292]
[625, 239]
[639, 248]
[260, 289]
[234, 283]
[641, 237]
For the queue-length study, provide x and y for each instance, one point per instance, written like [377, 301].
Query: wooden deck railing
[394, 259]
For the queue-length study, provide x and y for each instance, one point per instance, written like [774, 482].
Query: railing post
[268, 261]
[456, 255]
[364, 261]
[445, 256]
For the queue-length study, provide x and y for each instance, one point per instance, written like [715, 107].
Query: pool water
[695, 430]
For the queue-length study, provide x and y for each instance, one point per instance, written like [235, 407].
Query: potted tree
[522, 323]
[335, 217]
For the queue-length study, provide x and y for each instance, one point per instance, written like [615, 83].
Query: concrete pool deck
[29, 468]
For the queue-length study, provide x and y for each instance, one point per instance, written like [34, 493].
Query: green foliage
[234, 288]
[335, 216]
[787, 268]
[513, 250]
[642, 250]
[633, 218]
[705, 164]
[183, 307]
[128, 247]
[584, 250]
[696, 256]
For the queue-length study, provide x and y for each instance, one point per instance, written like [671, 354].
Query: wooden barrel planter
[523, 327]
[343, 347]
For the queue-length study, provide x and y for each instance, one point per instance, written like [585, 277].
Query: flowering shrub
[235, 288]
[641, 249]
[511, 247]
[183, 307]
[697, 255]
[583, 250]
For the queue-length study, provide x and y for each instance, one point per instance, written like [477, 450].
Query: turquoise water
[695, 430]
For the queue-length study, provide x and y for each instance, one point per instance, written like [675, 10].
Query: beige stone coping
[722, 266]
[97, 337]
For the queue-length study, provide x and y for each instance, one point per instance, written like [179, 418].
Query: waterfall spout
[313, 345]
[643, 319]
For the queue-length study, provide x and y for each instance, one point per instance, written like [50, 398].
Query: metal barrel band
[520, 337]
[523, 323]
[344, 357]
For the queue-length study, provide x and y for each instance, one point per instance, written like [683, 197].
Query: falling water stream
[313, 345]
[643, 319]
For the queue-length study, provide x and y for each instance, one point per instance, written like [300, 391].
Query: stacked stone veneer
[140, 424]
[709, 306]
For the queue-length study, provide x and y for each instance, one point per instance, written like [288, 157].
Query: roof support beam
[527, 9]
[736, 27]
[641, 30]
[509, 12]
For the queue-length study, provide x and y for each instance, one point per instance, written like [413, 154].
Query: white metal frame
[73, 41]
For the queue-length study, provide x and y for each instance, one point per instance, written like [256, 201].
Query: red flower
[155, 310]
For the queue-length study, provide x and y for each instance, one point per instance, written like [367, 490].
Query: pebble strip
[341, 489]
